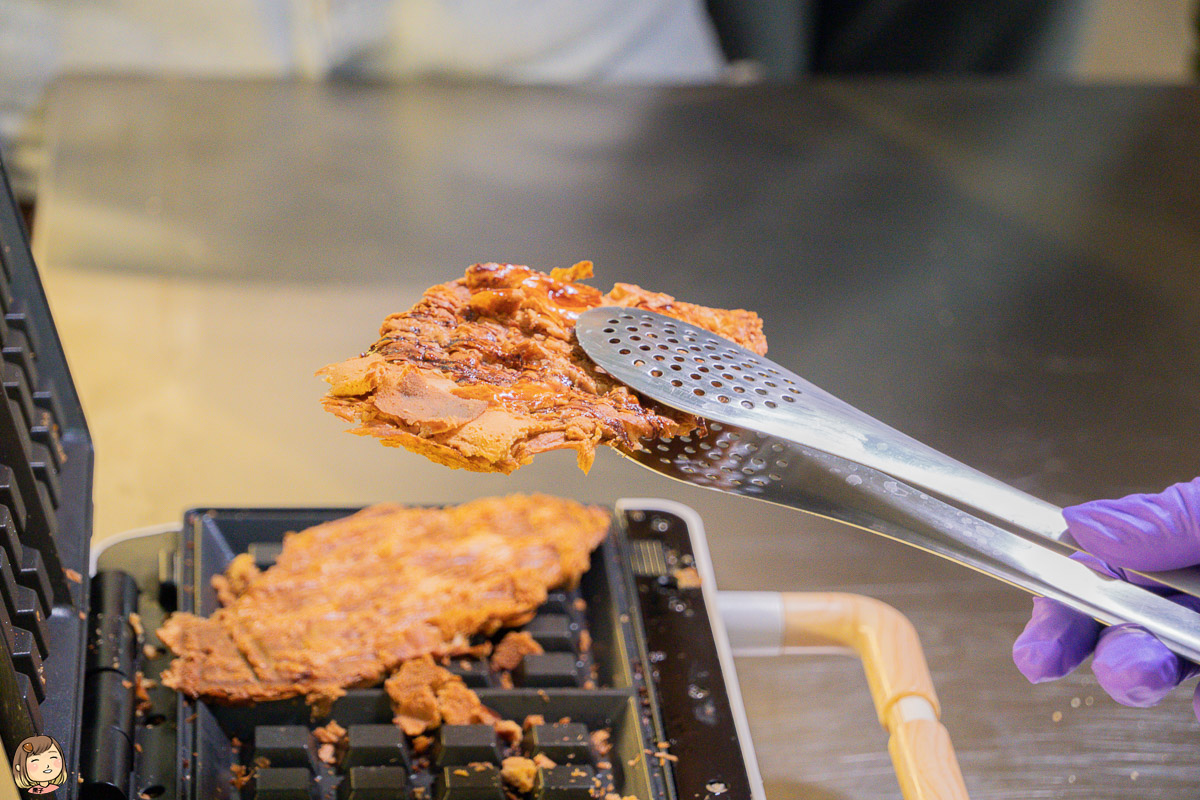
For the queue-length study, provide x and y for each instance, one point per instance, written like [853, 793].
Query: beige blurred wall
[1137, 40]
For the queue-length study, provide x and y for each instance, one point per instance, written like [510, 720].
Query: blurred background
[975, 220]
[1139, 41]
[666, 41]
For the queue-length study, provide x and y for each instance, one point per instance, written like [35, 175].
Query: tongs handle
[889, 451]
[881, 504]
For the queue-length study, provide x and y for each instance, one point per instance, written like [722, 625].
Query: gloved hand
[1143, 532]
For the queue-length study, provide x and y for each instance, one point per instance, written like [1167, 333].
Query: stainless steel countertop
[1005, 271]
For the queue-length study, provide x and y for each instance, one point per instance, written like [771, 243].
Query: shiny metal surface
[1005, 272]
[659, 357]
[776, 437]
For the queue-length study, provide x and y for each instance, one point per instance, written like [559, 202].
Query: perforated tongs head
[771, 435]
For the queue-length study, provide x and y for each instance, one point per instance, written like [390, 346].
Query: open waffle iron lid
[45, 512]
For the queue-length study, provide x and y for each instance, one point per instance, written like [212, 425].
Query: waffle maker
[636, 653]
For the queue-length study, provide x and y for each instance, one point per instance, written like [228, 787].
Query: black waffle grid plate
[549, 685]
[647, 643]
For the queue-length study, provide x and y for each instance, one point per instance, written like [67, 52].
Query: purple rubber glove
[1142, 532]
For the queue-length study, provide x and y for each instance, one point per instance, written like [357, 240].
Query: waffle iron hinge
[109, 688]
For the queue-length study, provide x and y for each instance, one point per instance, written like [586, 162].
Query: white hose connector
[754, 622]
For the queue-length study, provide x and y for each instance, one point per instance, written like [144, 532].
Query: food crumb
[241, 775]
[141, 688]
[320, 703]
[1056, 716]
[1133, 776]
[137, 747]
[512, 649]
[661, 756]
[329, 733]
[585, 641]
[687, 578]
[150, 651]
[601, 740]
[262, 762]
[508, 731]
[128, 684]
[544, 761]
[519, 773]
[1075, 701]
[421, 743]
[534, 719]
[327, 753]
[72, 575]
[135, 622]
[580, 604]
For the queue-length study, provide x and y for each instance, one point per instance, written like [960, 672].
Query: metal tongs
[774, 436]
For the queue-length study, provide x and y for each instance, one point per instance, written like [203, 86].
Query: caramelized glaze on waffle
[484, 372]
